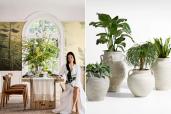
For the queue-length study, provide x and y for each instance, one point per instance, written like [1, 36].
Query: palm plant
[116, 30]
[38, 52]
[142, 55]
[98, 70]
[163, 49]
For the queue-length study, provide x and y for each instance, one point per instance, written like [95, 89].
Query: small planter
[96, 88]
[162, 73]
[97, 81]
[118, 68]
[140, 82]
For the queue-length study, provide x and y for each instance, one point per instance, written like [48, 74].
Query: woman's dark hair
[70, 53]
[69, 77]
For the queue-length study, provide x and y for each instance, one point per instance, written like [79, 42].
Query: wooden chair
[8, 90]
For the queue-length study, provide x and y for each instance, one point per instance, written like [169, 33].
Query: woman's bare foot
[73, 109]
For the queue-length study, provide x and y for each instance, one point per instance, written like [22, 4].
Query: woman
[73, 98]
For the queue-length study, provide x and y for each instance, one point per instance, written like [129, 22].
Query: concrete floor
[123, 102]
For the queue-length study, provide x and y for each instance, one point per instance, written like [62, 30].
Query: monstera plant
[115, 32]
[38, 51]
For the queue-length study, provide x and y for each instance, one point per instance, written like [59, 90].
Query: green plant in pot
[116, 31]
[37, 52]
[162, 66]
[140, 79]
[97, 81]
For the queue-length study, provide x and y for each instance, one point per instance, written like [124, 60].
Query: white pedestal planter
[116, 61]
[162, 73]
[96, 88]
[140, 82]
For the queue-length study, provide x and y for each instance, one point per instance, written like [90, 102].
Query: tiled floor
[123, 102]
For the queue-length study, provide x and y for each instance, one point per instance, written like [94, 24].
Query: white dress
[66, 99]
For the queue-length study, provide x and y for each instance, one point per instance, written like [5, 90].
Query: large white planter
[96, 88]
[162, 73]
[116, 61]
[140, 82]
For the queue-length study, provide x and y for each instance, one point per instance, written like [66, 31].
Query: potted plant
[116, 30]
[97, 81]
[162, 66]
[140, 79]
[37, 52]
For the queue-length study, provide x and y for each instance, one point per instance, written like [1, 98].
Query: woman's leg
[76, 98]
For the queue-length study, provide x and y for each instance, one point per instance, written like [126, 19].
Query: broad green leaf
[119, 40]
[101, 40]
[126, 28]
[121, 20]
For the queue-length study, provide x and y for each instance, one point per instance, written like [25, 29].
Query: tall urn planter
[141, 78]
[116, 31]
[97, 83]
[116, 61]
[162, 72]
[162, 67]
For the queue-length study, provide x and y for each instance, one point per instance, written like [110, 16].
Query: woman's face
[70, 58]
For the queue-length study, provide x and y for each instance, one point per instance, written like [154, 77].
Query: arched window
[45, 26]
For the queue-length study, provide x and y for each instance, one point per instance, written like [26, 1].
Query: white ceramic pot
[162, 73]
[140, 82]
[116, 61]
[96, 88]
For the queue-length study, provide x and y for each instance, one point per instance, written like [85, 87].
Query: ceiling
[64, 10]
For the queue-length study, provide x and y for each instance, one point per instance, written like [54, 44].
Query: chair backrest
[9, 78]
[6, 85]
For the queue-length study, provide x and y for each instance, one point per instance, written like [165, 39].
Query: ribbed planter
[118, 68]
[162, 73]
[140, 82]
[96, 88]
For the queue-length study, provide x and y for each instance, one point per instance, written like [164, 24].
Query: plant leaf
[121, 20]
[119, 40]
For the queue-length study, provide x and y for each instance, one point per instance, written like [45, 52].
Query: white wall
[147, 19]
[65, 10]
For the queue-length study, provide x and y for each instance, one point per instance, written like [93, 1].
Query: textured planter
[162, 73]
[116, 61]
[96, 88]
[140, 82]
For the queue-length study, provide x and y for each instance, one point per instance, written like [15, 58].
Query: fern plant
[98, 70]
[142, 55]
[163, 49]
[116, 30]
